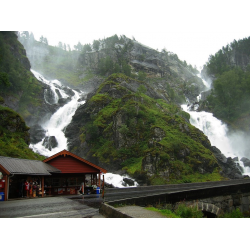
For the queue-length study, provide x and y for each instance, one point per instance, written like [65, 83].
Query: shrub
[234, 214]
[185, 211]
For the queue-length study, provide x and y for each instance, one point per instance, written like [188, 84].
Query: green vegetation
[15, 78]
[106, 66]
[14, 137]
[230, 97]
[221, 61]
[234, 214]
[182, 211]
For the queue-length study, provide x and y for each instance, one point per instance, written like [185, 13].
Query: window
[72, 181]
[55, 182]
[79, 180]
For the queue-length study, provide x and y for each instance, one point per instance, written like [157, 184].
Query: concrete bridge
[213, 198]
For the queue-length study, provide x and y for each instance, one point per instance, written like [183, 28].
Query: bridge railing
[128, 192]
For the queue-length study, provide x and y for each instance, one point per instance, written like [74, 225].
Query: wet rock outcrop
[230, 169]
[37, 133]
[246, 161]
[50, 142]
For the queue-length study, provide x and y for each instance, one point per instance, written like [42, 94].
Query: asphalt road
[76, 206]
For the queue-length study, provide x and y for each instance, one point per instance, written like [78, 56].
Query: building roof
[25, 166]
[65, 153]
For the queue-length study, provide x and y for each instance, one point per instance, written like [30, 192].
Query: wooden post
[103, 186]
[99, 180]
[84, 183]
[42, 186]
[6, 187]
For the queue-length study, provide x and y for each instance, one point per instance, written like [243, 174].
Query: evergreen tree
[41, 39]
[32, 38]
[60, 45]
[96, 45]
[78, 47]
[86, 48]
[45, 41]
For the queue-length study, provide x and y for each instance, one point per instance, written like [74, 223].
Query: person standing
[82, 188]
[27, 187]
[30, 189]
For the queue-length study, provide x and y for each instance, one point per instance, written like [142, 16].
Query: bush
[234, 214]
[188, 212]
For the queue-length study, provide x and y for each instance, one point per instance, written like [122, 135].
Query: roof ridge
[66, 152]
[1, 156]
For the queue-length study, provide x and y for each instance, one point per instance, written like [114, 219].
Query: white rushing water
[59, 121]
[231, 144]
[117, 180]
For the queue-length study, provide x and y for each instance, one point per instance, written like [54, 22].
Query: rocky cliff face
[140, 57]
[160, 67]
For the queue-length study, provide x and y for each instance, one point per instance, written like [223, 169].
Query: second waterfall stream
[231, 144]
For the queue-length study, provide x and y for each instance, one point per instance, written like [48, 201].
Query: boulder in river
[37, 133]
[246, 161]
[50, 142]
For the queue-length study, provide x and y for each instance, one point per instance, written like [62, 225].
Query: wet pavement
[77, 206]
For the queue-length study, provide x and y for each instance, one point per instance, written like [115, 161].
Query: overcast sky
[192, 46]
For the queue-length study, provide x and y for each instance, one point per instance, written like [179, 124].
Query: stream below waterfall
[56, 124]
[231, 144]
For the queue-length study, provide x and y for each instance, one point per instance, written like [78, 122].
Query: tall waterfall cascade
[57, 123]
[231, 144]
[55, 126]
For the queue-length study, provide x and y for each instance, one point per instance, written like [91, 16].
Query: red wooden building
[62, 173]
[74, 171]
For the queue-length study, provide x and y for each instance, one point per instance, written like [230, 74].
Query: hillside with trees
[230, 96]
[19, 90]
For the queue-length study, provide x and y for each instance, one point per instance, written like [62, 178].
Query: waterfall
[55, 126]
[51, 93]
[118, 181]
[231, 144]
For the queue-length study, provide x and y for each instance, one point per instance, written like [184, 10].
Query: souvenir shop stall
[23, 178]
[77, 175]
